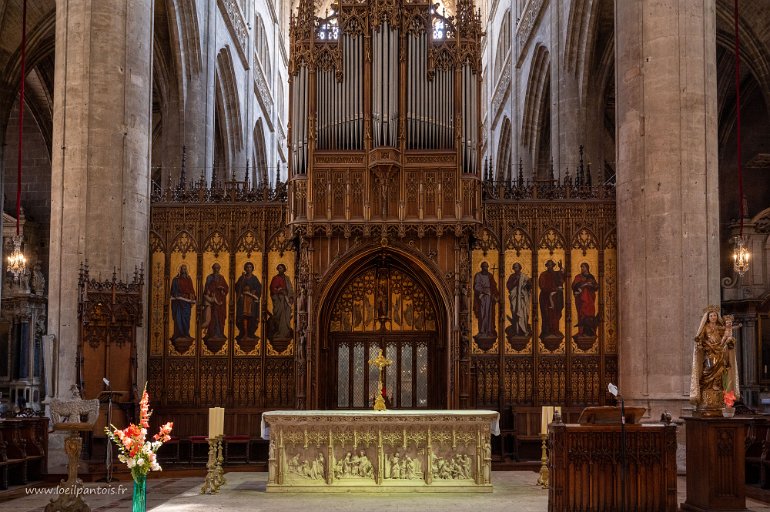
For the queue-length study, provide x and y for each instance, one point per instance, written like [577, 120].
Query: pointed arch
[537, 98]
[260, 154]
[228, 107]
[504, 151]
[503, 45]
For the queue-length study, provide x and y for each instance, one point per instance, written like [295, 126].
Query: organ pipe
[345, 70]
[340, 102]
[430, 123]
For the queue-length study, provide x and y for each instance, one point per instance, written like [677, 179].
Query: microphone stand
[622, 454]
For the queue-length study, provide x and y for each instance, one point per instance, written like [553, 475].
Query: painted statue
[714, 365]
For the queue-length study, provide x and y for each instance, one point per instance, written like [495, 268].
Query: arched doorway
[383, 303]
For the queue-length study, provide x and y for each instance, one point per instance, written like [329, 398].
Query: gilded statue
[714, 365]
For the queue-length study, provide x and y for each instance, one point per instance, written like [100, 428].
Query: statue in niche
[38, 280]
[248, 291]
[584, 287]
[215, 306]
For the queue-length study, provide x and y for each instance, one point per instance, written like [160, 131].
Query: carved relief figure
[182, 300]
[215, 304]
[714, 365]
[282, 295]
[584, 287]
[551, 284]
[248, 291]
[485, 296]
[519, 286]
[354, 466]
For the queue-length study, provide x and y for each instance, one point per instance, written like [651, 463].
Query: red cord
[738, 115]
[21, 108]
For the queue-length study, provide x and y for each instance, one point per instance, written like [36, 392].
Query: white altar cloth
[494, 422]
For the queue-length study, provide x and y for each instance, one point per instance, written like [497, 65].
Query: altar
[380, 451]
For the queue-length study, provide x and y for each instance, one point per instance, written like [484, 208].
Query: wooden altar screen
[379, 450]
[586, 468]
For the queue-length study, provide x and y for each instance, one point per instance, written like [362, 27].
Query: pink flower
[135, 450]
[729, 398]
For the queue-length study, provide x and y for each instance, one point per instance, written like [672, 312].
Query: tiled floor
[514, 491]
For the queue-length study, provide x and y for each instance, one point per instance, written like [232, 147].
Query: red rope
[738, 115]
[21, 108]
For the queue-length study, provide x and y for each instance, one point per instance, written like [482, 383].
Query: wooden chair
[236, 449]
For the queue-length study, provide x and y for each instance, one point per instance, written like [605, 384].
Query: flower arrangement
[729, 398]
[135, 450]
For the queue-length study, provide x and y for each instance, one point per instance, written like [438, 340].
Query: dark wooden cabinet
[715, 464]
[588, 473]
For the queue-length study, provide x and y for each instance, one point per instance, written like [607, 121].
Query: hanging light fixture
[17, 263]
[741, 253]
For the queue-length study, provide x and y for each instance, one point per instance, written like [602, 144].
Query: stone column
[100, 165]
[668, 211]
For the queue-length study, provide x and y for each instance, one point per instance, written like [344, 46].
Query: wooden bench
[15, 451]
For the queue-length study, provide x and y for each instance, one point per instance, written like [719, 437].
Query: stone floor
[515, 491]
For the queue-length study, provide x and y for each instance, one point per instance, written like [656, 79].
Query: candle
[545, 418]
[216, 421]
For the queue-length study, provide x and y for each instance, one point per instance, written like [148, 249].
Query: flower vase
[728, 412]
[139, 503]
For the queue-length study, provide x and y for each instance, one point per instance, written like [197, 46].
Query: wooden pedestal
[715, 464]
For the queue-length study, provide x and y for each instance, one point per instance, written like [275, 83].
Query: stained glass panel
[343, 375]
[359, 367]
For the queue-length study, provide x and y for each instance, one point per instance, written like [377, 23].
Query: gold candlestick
[380, 362]
[215, 475]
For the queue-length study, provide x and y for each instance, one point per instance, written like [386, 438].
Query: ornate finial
[182, 175]
[711, 309]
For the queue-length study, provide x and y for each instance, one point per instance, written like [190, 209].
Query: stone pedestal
[715, 465]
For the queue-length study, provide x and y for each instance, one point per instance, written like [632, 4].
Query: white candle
[545, 418]
[216, 421]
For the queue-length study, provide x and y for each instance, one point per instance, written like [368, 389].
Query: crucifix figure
[380, 362]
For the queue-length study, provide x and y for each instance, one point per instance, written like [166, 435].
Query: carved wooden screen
[383, 309]
[551, 333]
[109, 313]
[219, 250]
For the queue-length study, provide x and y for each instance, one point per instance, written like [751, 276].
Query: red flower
[729, 398]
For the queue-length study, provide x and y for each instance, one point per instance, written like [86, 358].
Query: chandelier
[740, 255]
[740, 251]
[17, 263]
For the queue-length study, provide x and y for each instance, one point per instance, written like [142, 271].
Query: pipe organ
[381, 90]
